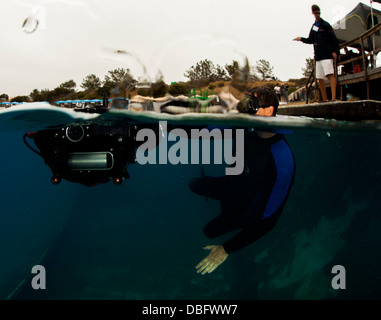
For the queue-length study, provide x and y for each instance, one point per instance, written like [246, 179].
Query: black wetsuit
[323, 37]
[253, 200]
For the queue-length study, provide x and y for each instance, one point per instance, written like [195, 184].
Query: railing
[308, 84]
[363, 57]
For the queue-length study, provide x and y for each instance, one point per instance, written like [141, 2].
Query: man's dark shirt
[323, 37]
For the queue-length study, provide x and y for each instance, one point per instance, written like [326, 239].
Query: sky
[75, 38]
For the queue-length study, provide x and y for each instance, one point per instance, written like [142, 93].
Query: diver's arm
[219, 253]
[250, 234]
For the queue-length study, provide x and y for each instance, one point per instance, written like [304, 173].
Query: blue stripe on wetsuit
[285, 167]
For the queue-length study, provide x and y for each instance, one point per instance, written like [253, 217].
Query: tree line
[115, 81]
[119, 82]
[205, 71]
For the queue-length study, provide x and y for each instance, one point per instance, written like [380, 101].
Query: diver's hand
[216, 256]
[297, 39]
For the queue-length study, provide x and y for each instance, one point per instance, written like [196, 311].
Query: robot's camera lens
[75, 133]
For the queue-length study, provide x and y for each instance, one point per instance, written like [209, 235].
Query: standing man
[278, 91]
[326, 48]
[252, 202]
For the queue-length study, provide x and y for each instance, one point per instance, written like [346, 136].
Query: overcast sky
[76, 38]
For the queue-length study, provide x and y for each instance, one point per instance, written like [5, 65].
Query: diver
[251, 202]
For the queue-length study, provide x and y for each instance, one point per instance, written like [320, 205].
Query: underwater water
[143, 239]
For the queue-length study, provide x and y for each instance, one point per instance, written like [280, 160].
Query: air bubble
[128, 58]
[36, 20]
[30, 24]
[135, 67]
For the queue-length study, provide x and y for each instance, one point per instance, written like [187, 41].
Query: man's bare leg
[332, 81]
[323, 90]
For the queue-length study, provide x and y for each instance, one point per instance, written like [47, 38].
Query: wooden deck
[372, 74]
[369, 81]
[342, 110]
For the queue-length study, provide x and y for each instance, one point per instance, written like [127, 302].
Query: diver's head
[261, 101]
[267, 99]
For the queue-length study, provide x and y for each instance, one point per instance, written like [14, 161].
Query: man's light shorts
[324, 68]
